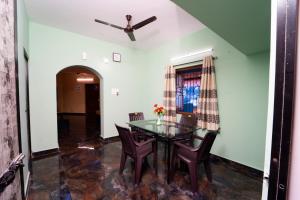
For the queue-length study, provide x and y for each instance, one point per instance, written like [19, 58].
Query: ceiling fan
[129, 29]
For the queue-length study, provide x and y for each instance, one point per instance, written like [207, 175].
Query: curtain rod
[192, 62]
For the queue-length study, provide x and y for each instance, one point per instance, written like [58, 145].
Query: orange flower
[159, 110]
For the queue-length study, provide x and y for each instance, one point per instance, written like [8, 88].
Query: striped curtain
[207, 110]
[170, 94]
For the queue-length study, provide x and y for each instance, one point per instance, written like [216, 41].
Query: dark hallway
[78, 106]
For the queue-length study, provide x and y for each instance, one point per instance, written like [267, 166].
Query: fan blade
[131, 36]
[108, 24]
[143, 23]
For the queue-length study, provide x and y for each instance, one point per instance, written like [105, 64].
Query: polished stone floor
[88, 169]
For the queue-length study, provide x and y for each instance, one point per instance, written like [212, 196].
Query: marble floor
[88, 170]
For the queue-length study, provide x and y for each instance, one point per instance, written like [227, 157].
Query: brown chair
[138, 133]
[136, 116]
[188, 119]
[192, 153]
[136, 150]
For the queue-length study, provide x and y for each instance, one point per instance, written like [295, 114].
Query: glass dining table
[167, 132]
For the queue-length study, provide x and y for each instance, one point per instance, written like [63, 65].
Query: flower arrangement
[159, 110]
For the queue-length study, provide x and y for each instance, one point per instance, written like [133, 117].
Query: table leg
[165, 153]
[168, 161]
[155, 156]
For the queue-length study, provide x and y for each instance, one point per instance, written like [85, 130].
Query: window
[187, 89]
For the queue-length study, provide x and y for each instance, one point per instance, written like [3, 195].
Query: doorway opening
[78, 106]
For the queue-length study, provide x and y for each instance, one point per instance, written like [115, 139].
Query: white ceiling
[78, 16]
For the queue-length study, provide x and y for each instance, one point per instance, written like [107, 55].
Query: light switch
[115, 91]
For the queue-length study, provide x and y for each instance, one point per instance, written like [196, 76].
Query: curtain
[207, 109]
[170, 94]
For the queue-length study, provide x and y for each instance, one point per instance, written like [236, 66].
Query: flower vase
[158, 122]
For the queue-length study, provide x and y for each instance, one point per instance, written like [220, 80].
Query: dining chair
[188, 119]
[136, 116]
[138, 151]
[194, 152]
[138, 133]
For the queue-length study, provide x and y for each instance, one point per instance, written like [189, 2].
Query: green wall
[244, 24]
[242, 86]
[52, 50]
[242, 83]
[23, 43]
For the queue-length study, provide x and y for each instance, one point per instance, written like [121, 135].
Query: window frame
[183, 69]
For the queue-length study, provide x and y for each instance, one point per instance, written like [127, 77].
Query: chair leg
[208, 170]
[193, 175]
[123, 161]
[138, 170]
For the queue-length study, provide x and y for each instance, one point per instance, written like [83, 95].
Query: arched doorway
[78, 105]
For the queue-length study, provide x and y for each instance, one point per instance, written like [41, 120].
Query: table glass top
[166, 129]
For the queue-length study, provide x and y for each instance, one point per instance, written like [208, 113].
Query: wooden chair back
[206, 145]
[136, 116]
[188, 119]
[127, 140]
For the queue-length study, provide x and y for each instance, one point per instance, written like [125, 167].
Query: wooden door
[92, 103]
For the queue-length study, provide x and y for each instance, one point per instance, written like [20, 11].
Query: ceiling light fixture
[87, 79]
[84, 78]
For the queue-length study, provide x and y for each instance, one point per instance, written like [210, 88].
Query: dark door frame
[286, 57]
[26, 57]
[17, 93]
